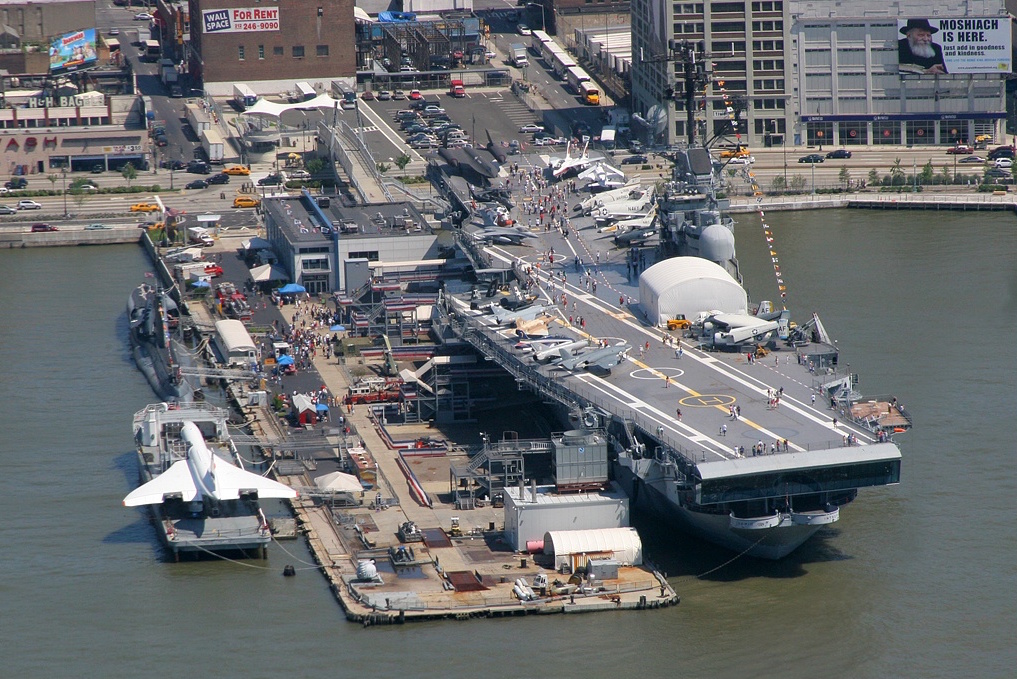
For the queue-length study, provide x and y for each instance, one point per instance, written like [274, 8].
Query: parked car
[384, 95]
[431, 110]
[197, 184]
[368, 95]
[838, 153]
[270, 180]
[811, 158]
[972, 159]
[246, 201]
[960, 150]
[399, 95]
[98, 168]
[8, 210]
[97, 227]
[37, 228]
[237, 170]
[634, 160]
[415, 95]
[221, 178]
[531, 127]
[172, 164]
[27, 204]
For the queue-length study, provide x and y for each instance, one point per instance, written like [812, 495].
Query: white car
[524, 29]
[114, 31]
[742, 160]
[1003, 162]
[27, 204]
[531, 127]
[298, 174]
[143, 16]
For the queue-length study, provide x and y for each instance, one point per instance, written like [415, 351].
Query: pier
[967, 202]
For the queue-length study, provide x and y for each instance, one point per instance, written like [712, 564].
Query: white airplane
[503, 316]
[603, 359]
[630, 191]
[731, 330]
[562, 166]
[603, 176]
[554, 353]
[204, 474]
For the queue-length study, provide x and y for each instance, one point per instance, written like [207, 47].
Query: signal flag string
[768, 234]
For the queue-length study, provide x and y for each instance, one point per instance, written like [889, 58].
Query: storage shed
[575, 548]
[688, 285]
[532, 511]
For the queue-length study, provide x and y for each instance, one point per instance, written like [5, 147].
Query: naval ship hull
[772, 543]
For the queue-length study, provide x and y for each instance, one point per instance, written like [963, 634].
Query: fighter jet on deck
[204, 475]
[504, 236]
[599, 359]
[562, 166]
[501, 316]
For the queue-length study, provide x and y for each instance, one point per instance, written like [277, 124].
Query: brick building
[270, 45]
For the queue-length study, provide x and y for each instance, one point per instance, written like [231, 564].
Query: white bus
[537, 40]
[244, 96]
[575, 76]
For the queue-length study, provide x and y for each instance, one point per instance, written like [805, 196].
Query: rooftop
[303, 221]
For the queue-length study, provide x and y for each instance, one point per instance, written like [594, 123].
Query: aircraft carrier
[741, 428]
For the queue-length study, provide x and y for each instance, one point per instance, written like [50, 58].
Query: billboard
[73, 51]
[240, 20]
[954, 46]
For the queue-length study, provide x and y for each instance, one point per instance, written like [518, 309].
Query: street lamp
[63, 172]
[813, 164]
[543, 23]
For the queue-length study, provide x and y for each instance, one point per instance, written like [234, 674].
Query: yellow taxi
[145, 207]
[741, 151]
[237, 170]
[246, 201]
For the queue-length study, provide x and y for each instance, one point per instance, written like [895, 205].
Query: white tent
[339, 482]
[256, 243]
[268, 108]
[689, 285]
[621, 544]
[268, 272]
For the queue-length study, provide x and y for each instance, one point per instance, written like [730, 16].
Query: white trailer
[197, 118]
[213, 144]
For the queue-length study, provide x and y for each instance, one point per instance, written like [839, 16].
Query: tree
[944, 174]
[778, 185]
[401, 162]
[52, 179]
[315, 165]
[928, 172]
[798, 183]
[897, 174]
[129, 172]
[79, 196]
[845, 177]
[383, 168]
[873, 177]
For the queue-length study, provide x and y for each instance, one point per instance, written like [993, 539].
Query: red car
[415, 95]
[42, 228]
[960, 150]
[368, 95]
[213, 270]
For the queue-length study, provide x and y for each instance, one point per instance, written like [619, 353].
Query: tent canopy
[256, 243]
[339, 482]
[688, 286]
[291, 289]
[285, 359]
[268, 108]
[268, 272]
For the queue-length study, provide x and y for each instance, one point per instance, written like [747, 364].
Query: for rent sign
[240, 20]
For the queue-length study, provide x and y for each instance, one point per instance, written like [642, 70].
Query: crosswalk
[368, 128]
[512, 108]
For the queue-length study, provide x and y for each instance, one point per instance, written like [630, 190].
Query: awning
[256, 243]
[268, 272]
[339, 482]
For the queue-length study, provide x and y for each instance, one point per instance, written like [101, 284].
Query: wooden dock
[966, 202]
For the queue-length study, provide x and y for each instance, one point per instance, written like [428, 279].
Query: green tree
[897, 175]
[873, 177]
[944, 174]
[383, 168]
[778, 185]
[315, 165]
[79, 196]
[52, 180]
[928, 172]
[845, 177]
[798, 183]
[129, 172]
[402, 161]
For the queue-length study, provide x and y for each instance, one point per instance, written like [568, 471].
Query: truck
[456, 88]
[213, 144]
[243, 96]
[198, 235]
[197, 118]
[517, 51]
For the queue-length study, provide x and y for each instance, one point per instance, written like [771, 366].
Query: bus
[590, 93]
[152, 51]
[537, 40]
[575, 76]
[346, 95]
[244, 96]
[561, 63]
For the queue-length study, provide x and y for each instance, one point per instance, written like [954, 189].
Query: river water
[917, 580]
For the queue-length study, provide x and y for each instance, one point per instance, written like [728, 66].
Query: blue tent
[291, 289]
[337, 328]
[285, 359]
[201, 284]
[322, 408]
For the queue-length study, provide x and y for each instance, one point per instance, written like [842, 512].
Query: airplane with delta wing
[562, 166]
[504, 235]
[554, 353]
[601, 359]
[629, 192]
[502, 317]
[603, 177]
[204, 475]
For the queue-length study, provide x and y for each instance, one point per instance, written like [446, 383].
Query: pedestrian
[813, 398]
[678, 412]
[723, 430]
[667, 381]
